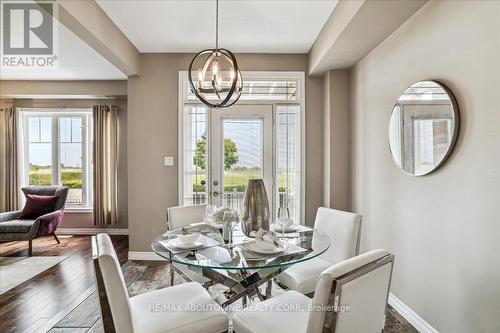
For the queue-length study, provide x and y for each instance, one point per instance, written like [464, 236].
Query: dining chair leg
[57, 239]
[30, 248]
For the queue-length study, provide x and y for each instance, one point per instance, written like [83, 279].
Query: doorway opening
[259, 137]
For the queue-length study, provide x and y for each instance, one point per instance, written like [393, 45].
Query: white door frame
[301, 100]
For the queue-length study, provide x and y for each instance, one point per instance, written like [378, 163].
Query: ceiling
[257, 26]
[76, 61]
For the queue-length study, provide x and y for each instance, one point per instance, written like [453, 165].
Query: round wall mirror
[423, 127]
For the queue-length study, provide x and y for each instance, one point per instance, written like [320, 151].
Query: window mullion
[56, 175]
[26, 150]
[85, 195]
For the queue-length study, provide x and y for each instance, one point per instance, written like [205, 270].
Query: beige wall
[63, 89]
[336, 139]
[445, 227]
[84, 219]
[152, 130]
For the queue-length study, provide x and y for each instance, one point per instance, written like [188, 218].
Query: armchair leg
[55, 237]
[30, 248]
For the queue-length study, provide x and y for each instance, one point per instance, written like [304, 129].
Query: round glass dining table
[236, 264]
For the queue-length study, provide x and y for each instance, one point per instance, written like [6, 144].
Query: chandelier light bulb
[215, 68]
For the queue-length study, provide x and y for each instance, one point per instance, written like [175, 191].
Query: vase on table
[255, 213]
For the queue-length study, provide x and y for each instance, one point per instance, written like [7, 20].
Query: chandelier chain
[216, 25]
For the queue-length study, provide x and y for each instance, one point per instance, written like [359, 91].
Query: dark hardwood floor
[62, 299]
[39, 303]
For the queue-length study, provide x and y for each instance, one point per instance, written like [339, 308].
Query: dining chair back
[344, 230]
[357, 291]
[145, 313]
[183, 215]
[113, 295]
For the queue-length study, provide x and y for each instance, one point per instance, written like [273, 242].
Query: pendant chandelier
[214, 76]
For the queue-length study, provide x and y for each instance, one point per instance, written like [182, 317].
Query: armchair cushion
[61, 192]
[16, 226]
[38, 205]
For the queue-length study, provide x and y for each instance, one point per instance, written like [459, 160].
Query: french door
[262, 136]
[221, 149]
[240, 148]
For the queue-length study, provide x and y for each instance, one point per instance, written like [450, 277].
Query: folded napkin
[264, 236]
[192, 228]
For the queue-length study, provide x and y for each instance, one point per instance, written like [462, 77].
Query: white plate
[252, 246]
[279, 228]
[178, 244]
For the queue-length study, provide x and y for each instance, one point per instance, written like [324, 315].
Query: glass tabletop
[300, 245]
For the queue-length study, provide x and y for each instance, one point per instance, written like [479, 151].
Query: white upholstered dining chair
[344, 229]
[163, 310]
[177, 217]
[359, 288]
[183, 215]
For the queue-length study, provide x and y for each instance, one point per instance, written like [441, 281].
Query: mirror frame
[456, 128]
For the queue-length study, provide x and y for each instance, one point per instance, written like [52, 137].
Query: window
[194, 154]
[260, 88]
[57, 151]
[288, 158]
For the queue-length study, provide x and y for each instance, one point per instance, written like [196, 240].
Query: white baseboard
[137, 255]
[411, 316]
[91, 231]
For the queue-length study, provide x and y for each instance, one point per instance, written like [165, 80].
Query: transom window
[261, 89]
[57, 148]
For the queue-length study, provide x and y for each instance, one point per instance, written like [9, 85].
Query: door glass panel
[71, 157]
[40, 151]
[195, 155]
[242, 159]
[288, 159]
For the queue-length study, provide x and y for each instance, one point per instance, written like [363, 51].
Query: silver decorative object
[255, 213]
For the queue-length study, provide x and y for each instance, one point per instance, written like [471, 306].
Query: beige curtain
[105, 161]
[9, 170]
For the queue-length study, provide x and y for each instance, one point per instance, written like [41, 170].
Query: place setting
[267, 244]
[188, 240]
